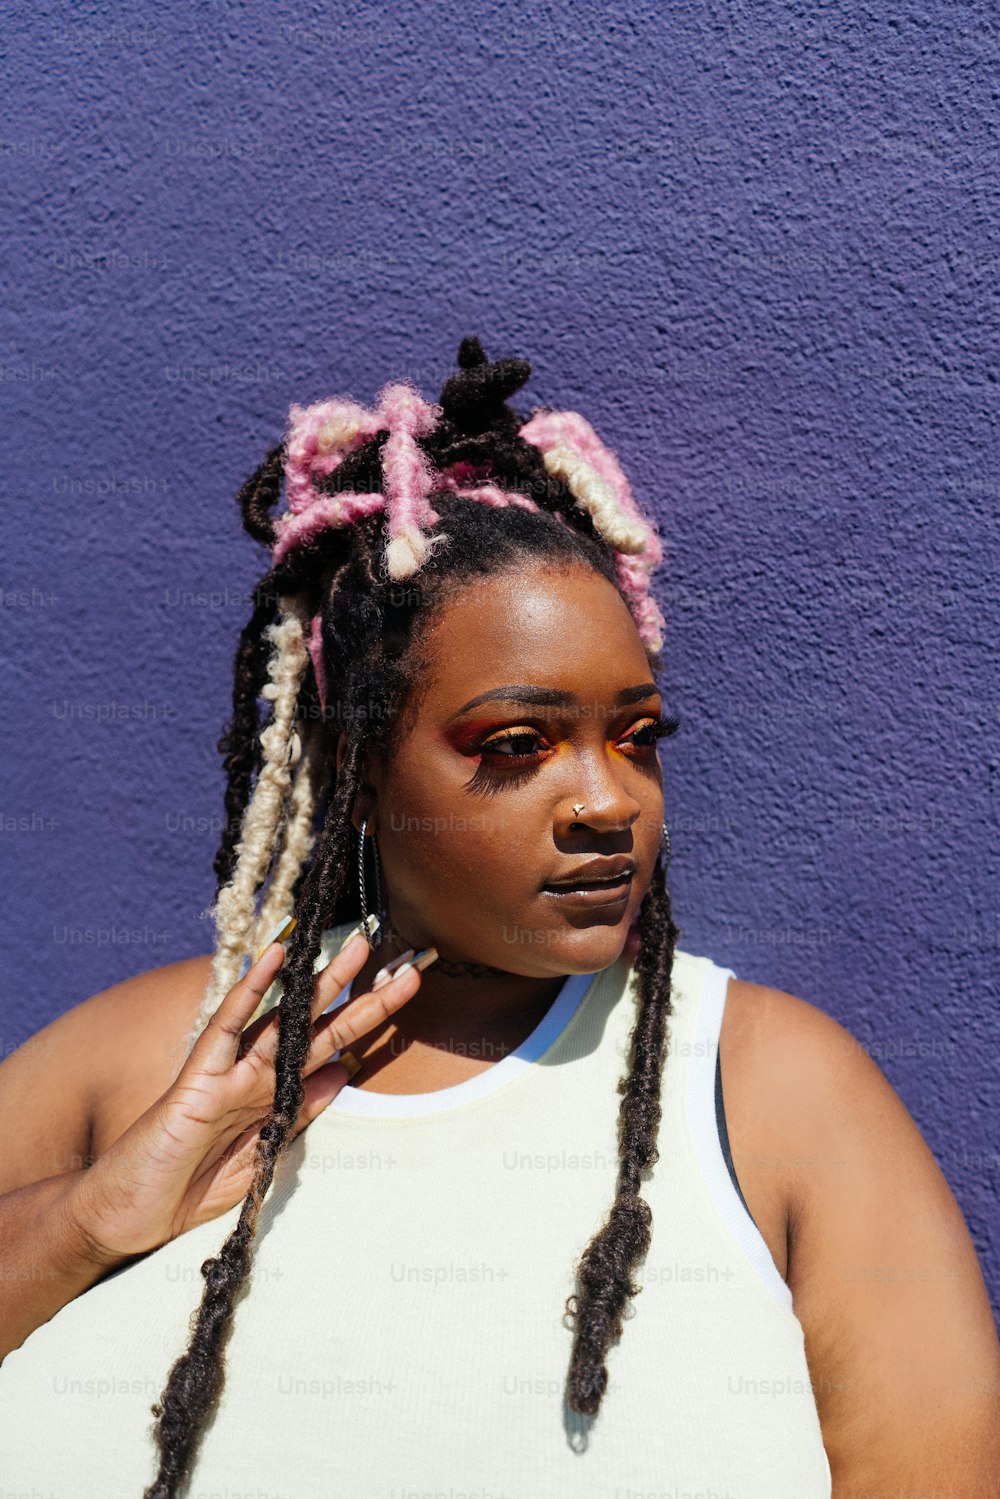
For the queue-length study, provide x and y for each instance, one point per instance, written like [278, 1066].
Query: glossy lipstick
[598, 882]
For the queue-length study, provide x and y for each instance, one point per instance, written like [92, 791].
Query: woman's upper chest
[763, 1163]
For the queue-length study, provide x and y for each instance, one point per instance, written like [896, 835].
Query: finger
[363, 1014]
[216, 1048]
[342, 967]
[237, 1145]
[261, 1037]
[321, 1088]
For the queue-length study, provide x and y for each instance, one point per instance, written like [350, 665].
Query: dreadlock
[555, 495]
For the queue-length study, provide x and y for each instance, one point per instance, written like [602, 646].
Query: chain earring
[666, 848]
[372, 943]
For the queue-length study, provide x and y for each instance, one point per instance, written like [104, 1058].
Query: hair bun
[474, 401]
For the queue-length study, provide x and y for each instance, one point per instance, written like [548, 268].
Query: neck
[459, 1004]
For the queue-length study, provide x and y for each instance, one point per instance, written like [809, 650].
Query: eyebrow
[548, 697]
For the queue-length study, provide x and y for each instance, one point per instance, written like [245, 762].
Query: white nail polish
[281, 931]
[362, 929]
[390, 969]
[420, 962]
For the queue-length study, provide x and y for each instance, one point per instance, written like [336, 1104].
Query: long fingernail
[364, 928]
[391, 968]
[279, 934]
[421, 961]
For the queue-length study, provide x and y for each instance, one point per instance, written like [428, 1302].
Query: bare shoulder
[769, 1043]
[899, 1334]
[72, 1088]
[805, 1093]
[783, 1059]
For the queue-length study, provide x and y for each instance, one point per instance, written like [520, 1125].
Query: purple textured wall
[755, 244]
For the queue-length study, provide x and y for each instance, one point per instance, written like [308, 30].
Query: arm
[899, 1335]
[47, 1256]
[63, 1093]
[187, 1158]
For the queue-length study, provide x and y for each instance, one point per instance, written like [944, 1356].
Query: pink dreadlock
[322, 435]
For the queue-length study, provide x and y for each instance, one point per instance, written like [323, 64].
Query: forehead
[565, 627]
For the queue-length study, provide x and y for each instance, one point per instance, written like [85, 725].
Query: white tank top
[403, 1333]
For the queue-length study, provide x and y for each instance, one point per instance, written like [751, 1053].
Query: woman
[445, 1256]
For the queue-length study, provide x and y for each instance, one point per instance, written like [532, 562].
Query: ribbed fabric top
[404, 1331]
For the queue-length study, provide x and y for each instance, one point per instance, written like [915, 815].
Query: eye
[506, 745]
[648, 734]
[506, 760]
[512, 757]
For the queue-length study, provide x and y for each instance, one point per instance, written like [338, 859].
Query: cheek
[428, 802]
[437, 850]
[436, 836]
[464, 855]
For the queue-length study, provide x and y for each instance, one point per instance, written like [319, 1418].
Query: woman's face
[537, 698]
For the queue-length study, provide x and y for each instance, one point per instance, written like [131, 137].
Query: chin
[579, 946]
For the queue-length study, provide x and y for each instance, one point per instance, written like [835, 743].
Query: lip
[603, 870]
[595, 895]
[615, 894]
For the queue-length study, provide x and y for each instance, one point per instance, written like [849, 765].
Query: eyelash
[487, 771]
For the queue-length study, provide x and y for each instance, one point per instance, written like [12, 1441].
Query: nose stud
[577, 808]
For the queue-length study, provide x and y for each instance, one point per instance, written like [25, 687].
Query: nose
[608, 805]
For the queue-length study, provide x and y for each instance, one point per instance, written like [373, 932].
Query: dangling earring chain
[372, 942]
[378, 880]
